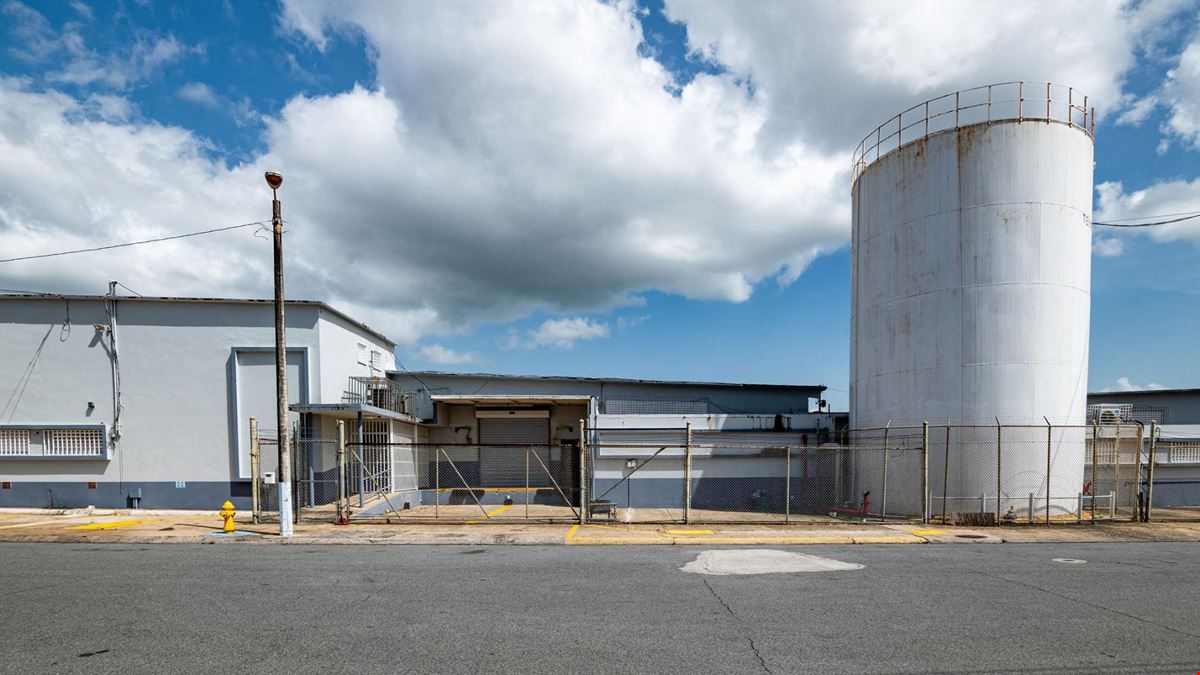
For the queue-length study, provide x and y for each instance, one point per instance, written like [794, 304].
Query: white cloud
[441, 356]
[33, 38]
[35, 41]
[84, 11]
[144, 59]
[1124, 384]
[518, 157]
[200, 93]
[1107, 247]
[1138, 110]
[127, 181]
[1182, 94]
[564, 333]
[1166, 197]
[829, 73]
[625, 323]
[242, 111]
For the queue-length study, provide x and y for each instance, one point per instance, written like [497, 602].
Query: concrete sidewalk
[154, 527]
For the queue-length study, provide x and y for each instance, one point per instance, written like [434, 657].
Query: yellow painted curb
[33, 524]
[689, 532]
[110, 525]
[890, 539]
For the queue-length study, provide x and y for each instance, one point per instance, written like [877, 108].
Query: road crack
[1093, 605]
[745, 634]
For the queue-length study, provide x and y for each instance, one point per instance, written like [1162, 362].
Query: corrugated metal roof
[225, 301]
[622, 380]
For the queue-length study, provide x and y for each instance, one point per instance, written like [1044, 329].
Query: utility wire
[1126, 222]
[136, 243]
[129, 289]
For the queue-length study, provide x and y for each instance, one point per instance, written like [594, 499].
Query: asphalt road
[393, 609]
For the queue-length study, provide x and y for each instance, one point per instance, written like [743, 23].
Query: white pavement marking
[1070, 561]
[762, 561]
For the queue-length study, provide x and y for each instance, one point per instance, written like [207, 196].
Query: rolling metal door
[505, 466]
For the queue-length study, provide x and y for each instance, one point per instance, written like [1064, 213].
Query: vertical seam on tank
[856, 214]
[962, 291]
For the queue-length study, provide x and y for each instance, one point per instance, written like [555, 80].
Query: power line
[129, 289]
[136, 243]
[1126, 222]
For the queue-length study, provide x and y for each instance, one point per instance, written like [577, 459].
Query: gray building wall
[1176, 483]
[1182, 406]
[191, 373]
[759, 399]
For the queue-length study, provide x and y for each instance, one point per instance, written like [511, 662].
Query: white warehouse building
[119, 401]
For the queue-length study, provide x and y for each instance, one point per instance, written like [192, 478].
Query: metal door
[501, 466]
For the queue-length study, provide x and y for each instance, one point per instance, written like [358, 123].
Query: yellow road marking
[889, 539]
[618, 528]
[33, 524]
[928, 531]
[571, 532]
[689, 532]
[110, 525]
[493, 512]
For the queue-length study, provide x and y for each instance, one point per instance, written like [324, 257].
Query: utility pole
[274, 180]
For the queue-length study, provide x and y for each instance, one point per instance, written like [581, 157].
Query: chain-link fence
[950, 474]
[1173, 468]
[458, 482]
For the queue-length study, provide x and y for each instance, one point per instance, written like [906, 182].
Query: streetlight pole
[274, 180]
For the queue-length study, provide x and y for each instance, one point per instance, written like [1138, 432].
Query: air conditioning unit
[1110, 413]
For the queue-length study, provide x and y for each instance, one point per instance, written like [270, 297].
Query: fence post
[1095, 457]
[946, 473]
[294, 446]
[1079, 507]
[998, 469]
[254, 471]
[362, 462]
[437, 479]
[583, 486]
[805, 500]
[1049, 447]
[1112, 505]
[1030, 508]
[1116, 461]
[341, 473]
[527, 481]
[787, 486]
[687, 476]
[883, 496]
[1137, 474]
[925, 471]
[1150, 469]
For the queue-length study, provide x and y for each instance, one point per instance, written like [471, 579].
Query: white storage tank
[972, 282]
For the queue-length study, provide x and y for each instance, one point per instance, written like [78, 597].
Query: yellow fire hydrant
[227, 513]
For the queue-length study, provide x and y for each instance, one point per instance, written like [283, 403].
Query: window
[362, 355]
[14, 442]
[376, 359]
[74, 442]
[57, 442]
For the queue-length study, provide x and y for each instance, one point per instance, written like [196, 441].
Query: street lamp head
[274, 180]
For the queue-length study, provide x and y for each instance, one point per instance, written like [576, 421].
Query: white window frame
[54, 442]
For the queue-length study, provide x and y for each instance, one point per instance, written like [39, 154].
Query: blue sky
[482, 249]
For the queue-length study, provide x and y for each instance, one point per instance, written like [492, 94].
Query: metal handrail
[980, 106]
